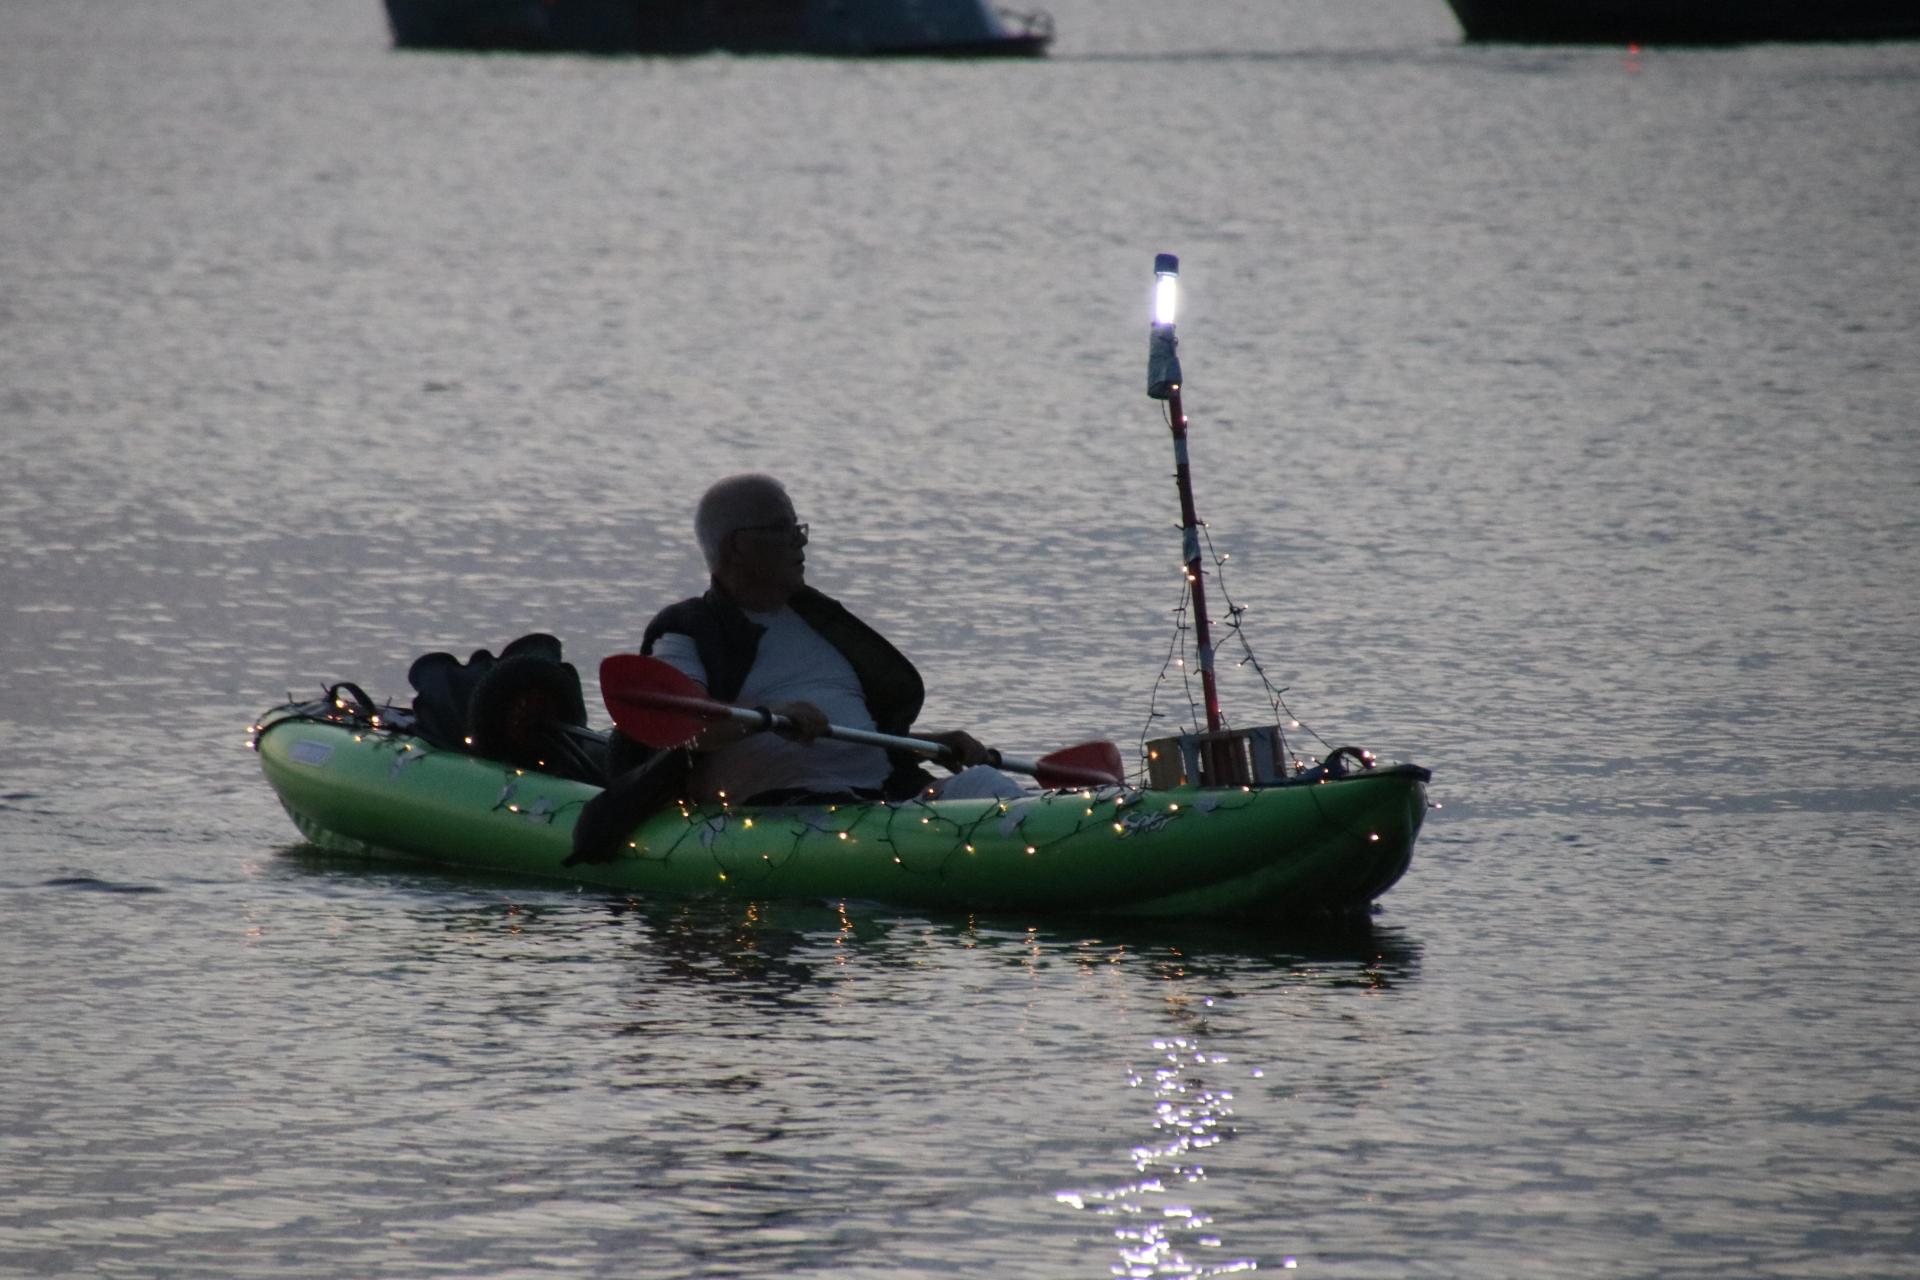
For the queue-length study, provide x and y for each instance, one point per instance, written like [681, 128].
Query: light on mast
[1163, 365]
[1166, 288]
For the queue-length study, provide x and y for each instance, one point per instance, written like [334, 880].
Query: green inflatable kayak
[1325, 842]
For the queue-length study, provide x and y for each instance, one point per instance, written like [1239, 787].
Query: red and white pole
[1163, 383]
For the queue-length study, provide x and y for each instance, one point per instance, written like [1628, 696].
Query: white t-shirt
[794, 664]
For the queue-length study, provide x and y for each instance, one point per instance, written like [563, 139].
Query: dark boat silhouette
[856, 28]
[1685, 21]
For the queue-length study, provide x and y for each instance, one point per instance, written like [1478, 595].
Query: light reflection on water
[1156, 1220]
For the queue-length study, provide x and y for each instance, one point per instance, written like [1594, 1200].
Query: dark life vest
[728, 641]
[645, 780]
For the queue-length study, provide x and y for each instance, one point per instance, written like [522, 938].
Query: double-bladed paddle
[656, 703]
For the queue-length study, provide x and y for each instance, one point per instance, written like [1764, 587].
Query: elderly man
[761, 637]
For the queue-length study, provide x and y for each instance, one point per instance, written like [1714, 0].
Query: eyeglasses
[789, 531]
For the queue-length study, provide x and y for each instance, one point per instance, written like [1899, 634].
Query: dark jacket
[643, 781]
[728, 641]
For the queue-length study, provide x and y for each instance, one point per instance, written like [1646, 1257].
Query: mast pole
[1163, 383]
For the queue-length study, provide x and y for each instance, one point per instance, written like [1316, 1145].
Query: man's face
[766, 558]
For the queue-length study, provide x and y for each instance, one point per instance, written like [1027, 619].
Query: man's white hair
[732, 504]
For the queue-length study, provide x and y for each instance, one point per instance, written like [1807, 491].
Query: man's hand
[807, 721]
[963, 749]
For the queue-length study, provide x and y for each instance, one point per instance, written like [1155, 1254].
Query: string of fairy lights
[925, 839]
[390, 729]
[748, 847]
[1236, 632]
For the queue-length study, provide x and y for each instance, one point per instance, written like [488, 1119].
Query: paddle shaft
[762, 718]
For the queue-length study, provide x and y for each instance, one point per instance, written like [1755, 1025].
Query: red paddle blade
[653, 702]
[1091, 764]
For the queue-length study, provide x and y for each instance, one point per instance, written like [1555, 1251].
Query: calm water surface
[1556, 408]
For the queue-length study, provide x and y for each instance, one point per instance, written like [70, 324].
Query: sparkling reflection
[1155, 1217]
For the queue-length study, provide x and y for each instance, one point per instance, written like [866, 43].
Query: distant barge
[851, 28]
[1685, 21]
